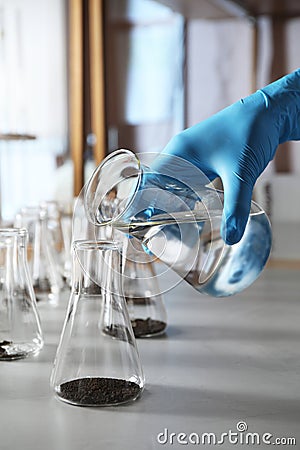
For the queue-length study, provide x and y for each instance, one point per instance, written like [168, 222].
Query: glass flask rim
[101, 244]
[135, 185]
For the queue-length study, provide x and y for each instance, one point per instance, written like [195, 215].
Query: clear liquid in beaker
[193, 247]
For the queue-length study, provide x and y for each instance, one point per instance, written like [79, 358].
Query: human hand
[237, 143]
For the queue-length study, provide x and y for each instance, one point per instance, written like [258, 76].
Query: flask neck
[13, 247]
[96, 267]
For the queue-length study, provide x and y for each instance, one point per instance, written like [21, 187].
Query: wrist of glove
[284, 97]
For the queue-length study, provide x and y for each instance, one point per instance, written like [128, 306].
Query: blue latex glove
[238, 142]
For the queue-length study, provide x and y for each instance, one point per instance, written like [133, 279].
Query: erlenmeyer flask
[142, 292]
[46, 279]
[177, 216]
[60, 225]
[20, 330]
[97, 362]
[140, 284]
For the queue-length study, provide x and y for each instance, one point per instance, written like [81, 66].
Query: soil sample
[147, 327]
[141, 328]
[98, 391]
[7, 353]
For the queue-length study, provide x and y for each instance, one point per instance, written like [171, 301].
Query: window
[33, 92]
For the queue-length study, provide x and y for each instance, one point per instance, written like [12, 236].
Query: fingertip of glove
[231, 231]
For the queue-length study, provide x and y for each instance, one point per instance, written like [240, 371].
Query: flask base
[98, 391]
[10, 351]
[143, 328]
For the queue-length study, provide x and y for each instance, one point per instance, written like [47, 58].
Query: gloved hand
[238, 142]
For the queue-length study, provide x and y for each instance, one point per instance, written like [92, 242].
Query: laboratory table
[226, 369]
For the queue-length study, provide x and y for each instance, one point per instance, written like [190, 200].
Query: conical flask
[97, 362]
[142, 291]
[141, 286]
[46, 279]
[20, 330]
[59, 224]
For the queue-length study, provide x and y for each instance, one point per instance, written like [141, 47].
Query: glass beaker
[142, 291]
[97, 362]
[46, 278]
[20, 330]
[177, 215]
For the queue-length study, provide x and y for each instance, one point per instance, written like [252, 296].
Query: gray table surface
[221, 362]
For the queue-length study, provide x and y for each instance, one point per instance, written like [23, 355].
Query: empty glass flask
[59, 224]
[46, 277]
[20, 330]
[97, 362]
[177, 215]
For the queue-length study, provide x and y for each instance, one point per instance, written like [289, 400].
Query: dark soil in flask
[141, 328]
[8, 354]
[147, 327]
[98, 391]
